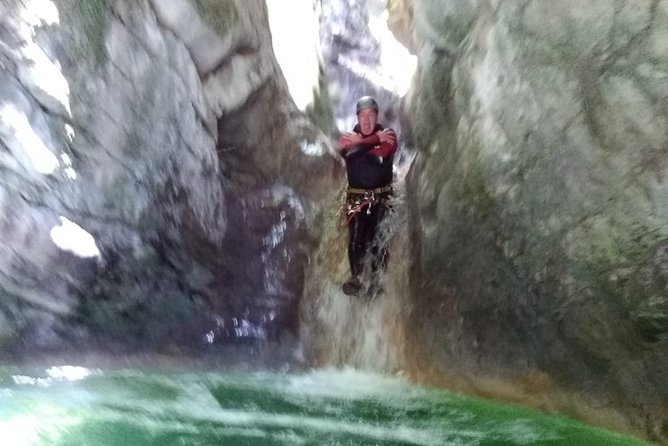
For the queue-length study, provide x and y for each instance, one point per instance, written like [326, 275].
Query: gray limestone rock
[539, 195]
[151, 158]
[352, 59]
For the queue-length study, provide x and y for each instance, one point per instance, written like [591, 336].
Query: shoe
[352, 287]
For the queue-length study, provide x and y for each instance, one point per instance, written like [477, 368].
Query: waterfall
[360, 331]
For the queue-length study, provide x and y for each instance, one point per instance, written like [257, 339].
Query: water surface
[77, 406]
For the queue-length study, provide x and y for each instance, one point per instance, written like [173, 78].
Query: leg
[358, 229]
[356, 244]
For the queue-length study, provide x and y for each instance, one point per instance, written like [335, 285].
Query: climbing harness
[359, 199]
[378, 190]
[354, 207]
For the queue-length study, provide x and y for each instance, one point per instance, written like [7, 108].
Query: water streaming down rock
[164, 132]
[199, 190]
[539, 206]
[361, 57]
[527, 261]
[362, 331]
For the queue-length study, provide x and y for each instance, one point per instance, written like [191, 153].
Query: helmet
[367, 102]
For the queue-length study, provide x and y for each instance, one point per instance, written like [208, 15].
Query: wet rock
[122, 173]
[352, 46]
[538, 197]
[401, 23]
[651, 318]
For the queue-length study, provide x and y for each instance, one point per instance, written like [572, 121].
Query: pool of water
[78, 406]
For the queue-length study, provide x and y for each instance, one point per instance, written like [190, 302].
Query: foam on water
[330, 406]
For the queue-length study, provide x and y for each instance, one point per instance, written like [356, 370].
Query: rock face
[158, 185]
[540, 202]
[362, 58]
[401, 22]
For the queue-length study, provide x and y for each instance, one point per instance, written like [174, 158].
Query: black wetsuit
[367, 170]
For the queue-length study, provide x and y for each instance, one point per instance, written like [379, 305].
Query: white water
[357, 331]
[329, 407]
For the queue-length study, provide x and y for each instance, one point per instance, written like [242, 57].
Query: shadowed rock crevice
[535, 215]
[131, 142]
[160, 190]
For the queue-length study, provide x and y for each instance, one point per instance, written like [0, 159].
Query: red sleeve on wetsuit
[386, 148]
[370, 140]
[341, 143]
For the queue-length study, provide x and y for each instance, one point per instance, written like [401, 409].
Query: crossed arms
[381, 143]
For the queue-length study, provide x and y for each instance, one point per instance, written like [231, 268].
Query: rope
[358, 207]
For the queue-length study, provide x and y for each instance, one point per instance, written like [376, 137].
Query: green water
[74, 406]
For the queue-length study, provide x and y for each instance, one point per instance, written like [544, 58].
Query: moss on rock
[220, 16]
[320, 111]
[83, 26]
[552, 210]
[651, 318]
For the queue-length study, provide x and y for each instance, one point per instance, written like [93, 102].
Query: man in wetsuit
[369, 154]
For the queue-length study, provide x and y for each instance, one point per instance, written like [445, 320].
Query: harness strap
[358, 206]
[378, 190]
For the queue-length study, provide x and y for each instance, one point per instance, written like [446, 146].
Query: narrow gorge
[170, 185]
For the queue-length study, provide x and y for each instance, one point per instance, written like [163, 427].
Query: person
[368, 152]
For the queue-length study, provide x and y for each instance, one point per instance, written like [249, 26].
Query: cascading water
[361, 57]
[364, 332]
[271, 202]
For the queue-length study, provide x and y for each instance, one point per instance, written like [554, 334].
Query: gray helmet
[367, 102]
